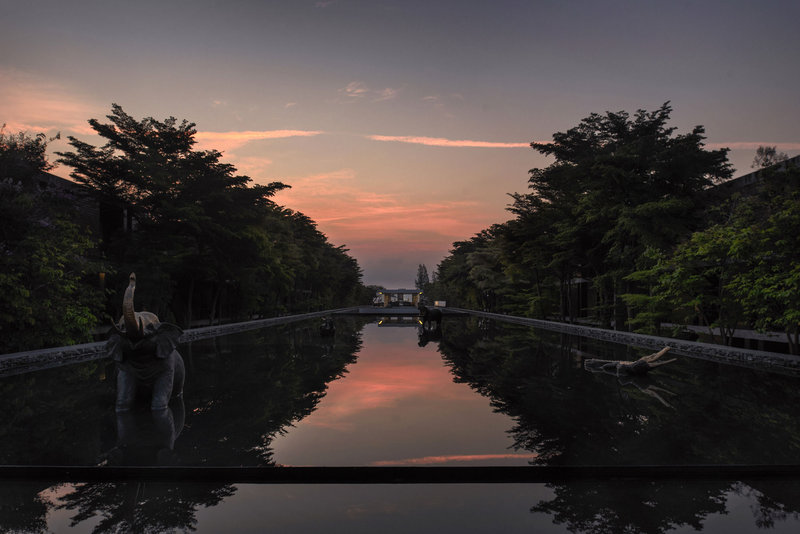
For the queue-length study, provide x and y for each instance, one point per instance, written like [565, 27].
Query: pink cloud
[354, 90]
[228, 141]
[442, 142]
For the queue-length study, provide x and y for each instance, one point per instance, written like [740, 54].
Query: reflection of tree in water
[599, 507]
[639, 507]
[245, 390]
[567, 416]
[21, 507]
[142, 507]
[775, 500]
[570, 416]
[58, 416]
[241, 391]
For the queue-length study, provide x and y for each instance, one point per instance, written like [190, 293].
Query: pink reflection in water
[398, 405]
[436, 460]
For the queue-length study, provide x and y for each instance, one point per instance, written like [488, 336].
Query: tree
[422, 278]
[619, 185]
[744, 268]
[45, 266]
[192, 214]
[691, 284]
[766, 156]
[210, 241]
[766, 245]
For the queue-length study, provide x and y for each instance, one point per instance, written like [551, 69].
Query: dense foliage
[205, 241]
[47, 274]
[626, 229]
[743, 268]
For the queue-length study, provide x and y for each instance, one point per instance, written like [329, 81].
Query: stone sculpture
[145, 350]
[147, 439]
[327, 328]
[620, 367]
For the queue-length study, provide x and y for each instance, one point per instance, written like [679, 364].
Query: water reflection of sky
[401, 404]
[423, 508]
[398, 405]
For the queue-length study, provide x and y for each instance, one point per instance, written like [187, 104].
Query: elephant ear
[166, 338]
[115, 345]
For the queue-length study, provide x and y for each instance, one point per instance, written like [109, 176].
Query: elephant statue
[147, 439]
[145, 350]
[430, 316]
[327, 328]
[426, 336]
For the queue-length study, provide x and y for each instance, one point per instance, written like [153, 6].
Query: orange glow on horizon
[35, 105]
[370, 220]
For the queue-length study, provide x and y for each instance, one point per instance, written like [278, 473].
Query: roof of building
[751, 179]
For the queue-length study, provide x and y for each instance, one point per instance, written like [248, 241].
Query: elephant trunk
[128, 315]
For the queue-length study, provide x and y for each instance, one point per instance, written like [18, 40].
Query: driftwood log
[620, 367]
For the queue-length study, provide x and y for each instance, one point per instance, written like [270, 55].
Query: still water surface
[399, 405]
[382, 394]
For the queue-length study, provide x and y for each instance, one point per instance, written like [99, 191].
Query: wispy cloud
[445, 104]
[752, 145]
[356, 90]
[386, 94]
[443, 142]
[225, 141]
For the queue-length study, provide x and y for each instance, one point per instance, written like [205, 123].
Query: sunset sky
[401, 125]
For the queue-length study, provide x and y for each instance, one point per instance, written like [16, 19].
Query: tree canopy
[47, 269]
[627, 228]
[206, 241]
[209, 239]
[619, 185]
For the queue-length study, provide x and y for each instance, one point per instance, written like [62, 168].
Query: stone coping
[24, 362]
[35, 360]
[754, 359]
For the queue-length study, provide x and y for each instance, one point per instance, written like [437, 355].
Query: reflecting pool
[383, 393]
